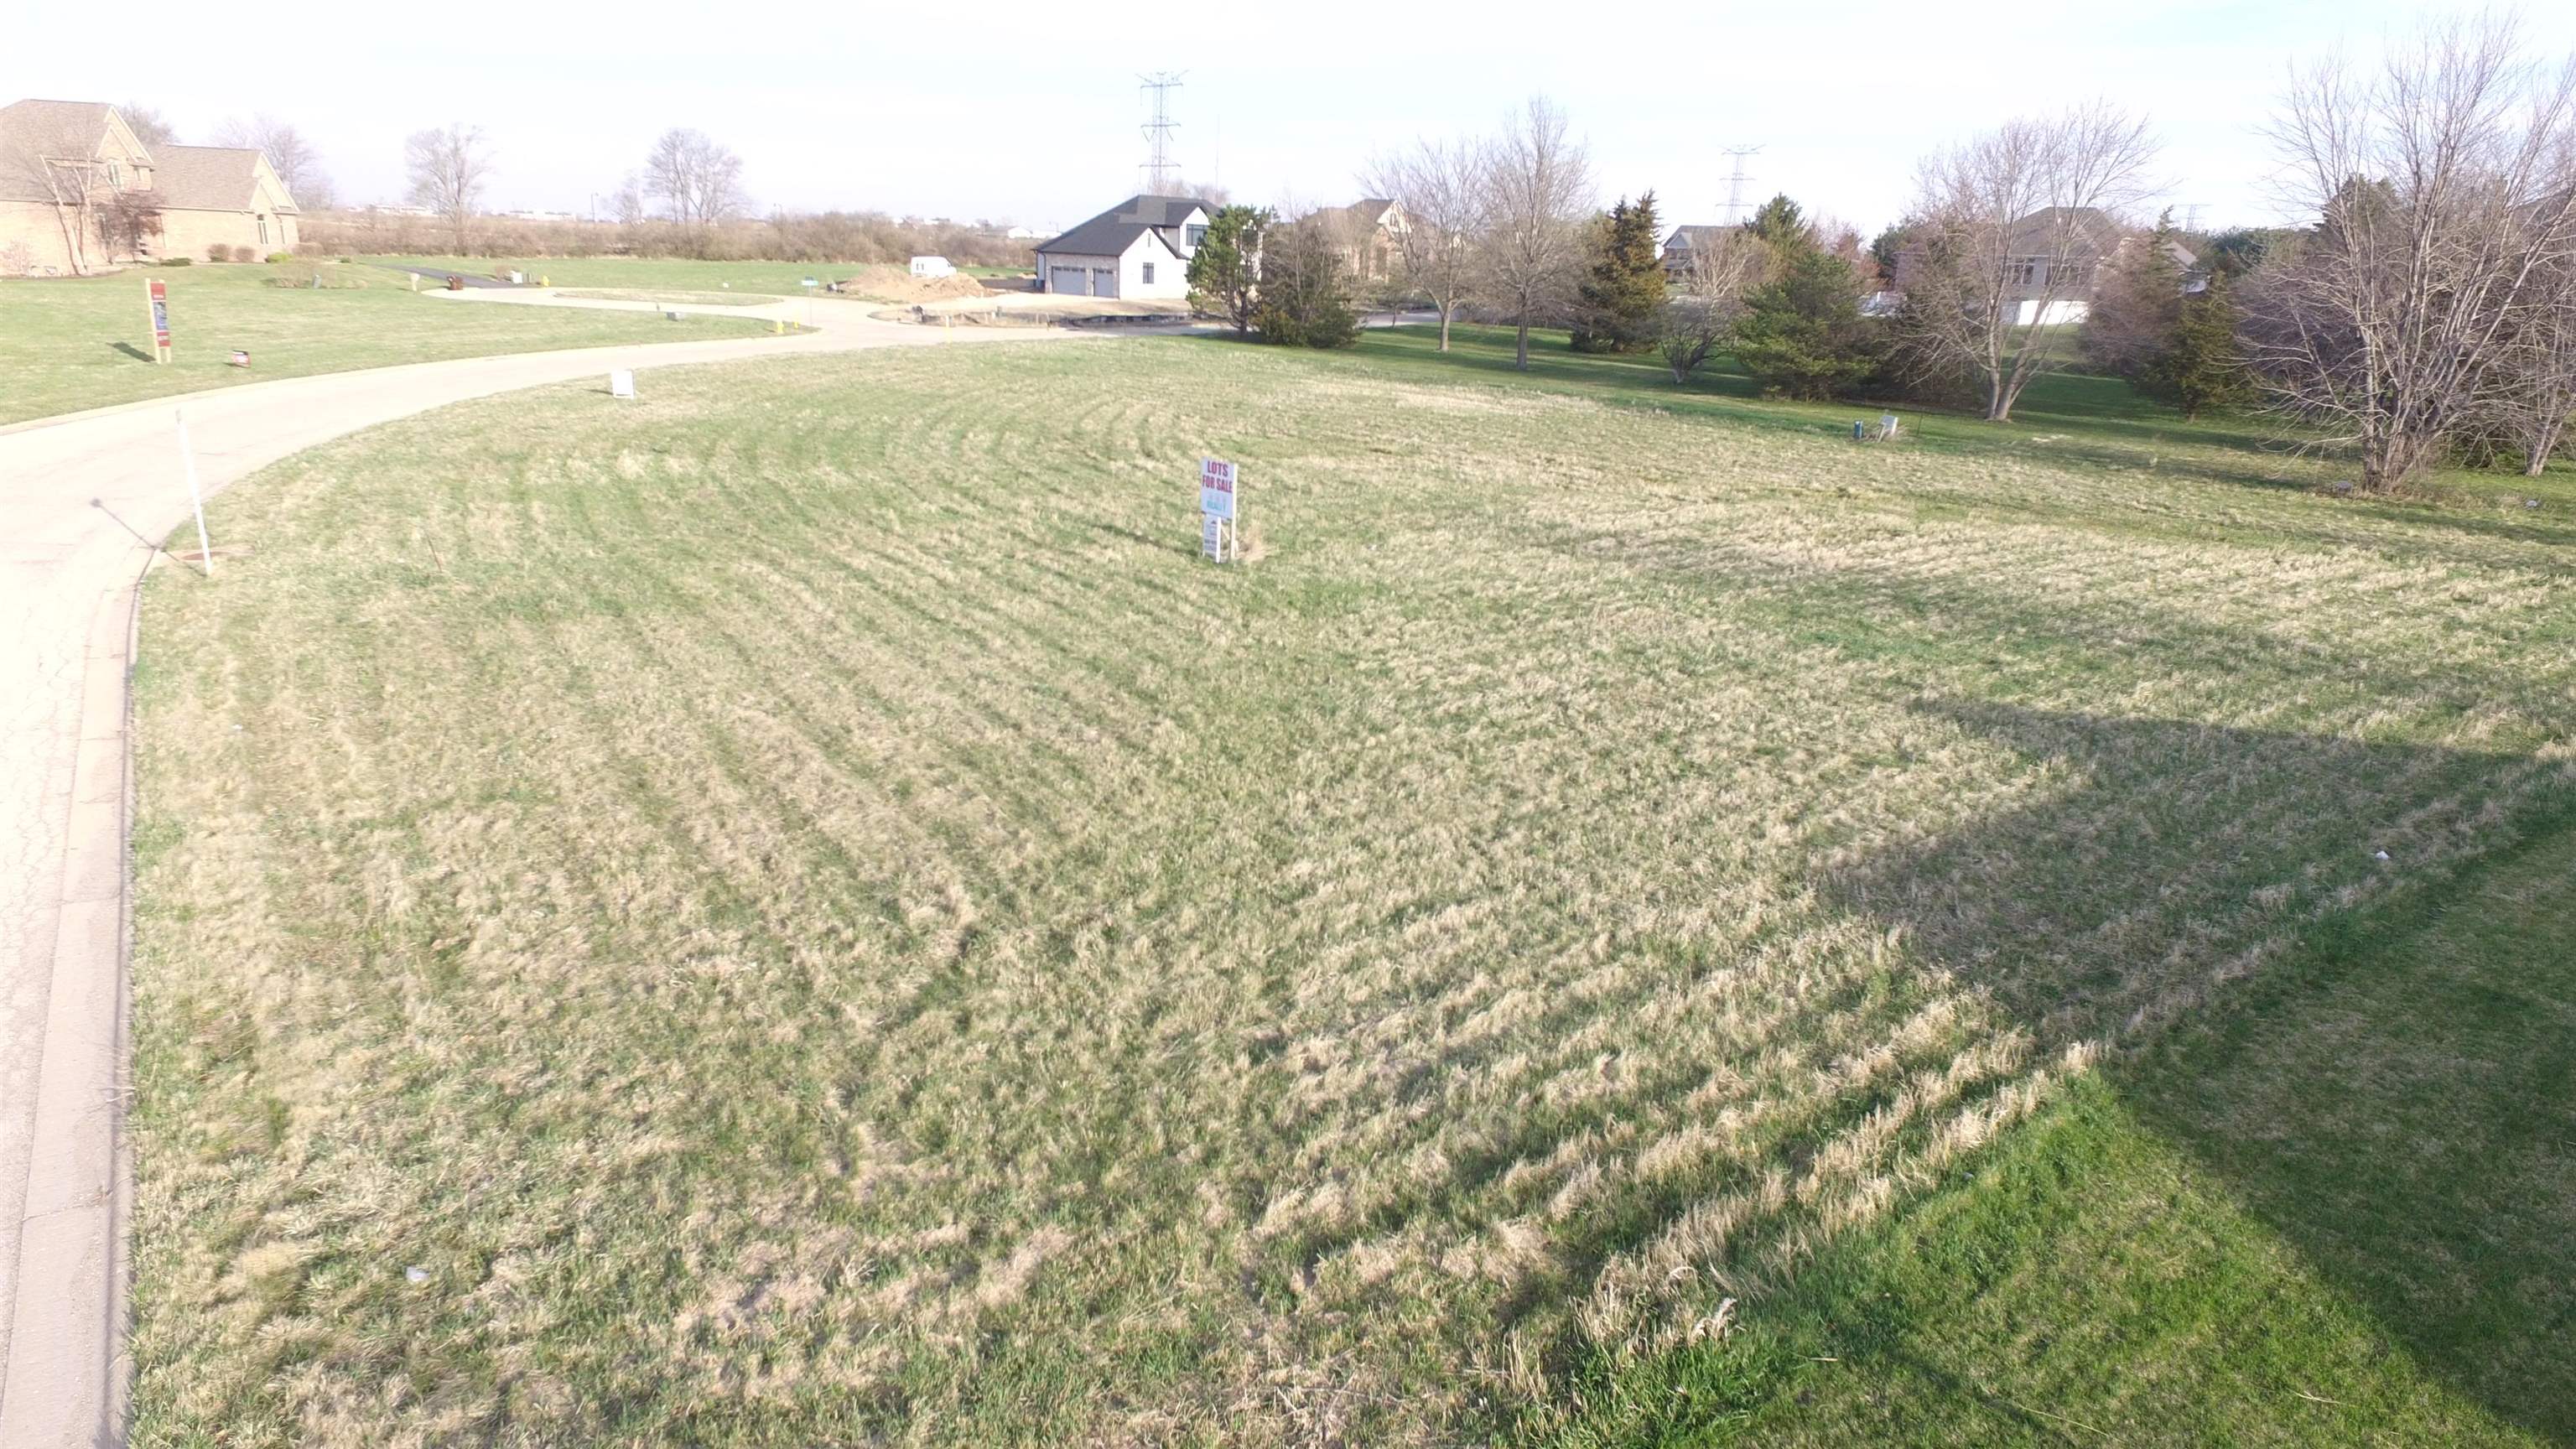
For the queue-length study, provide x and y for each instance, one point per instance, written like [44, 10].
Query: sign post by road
[1220, 523]
[157, 301]
[196, 495]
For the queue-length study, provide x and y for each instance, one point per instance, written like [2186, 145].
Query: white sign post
[1220, 522]
[621, 382]
[196, 497]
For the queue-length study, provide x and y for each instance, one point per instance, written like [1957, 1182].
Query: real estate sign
[157, 295]
[1218, 525]
[1216, 488]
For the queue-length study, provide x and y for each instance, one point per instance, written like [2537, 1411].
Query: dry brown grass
[816, 919]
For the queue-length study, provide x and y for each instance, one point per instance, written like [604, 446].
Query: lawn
[798, 910]
[73, 343]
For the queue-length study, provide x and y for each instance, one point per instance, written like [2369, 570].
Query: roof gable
[213, 178]
[1111, 232]
[35, 132]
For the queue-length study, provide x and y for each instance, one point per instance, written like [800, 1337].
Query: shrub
[178, 261]
[218, 252]
[244, 253]
[275, 257]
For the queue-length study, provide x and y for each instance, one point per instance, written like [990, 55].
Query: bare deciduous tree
[59, 167]
[448, 169]
[2442, 192]
[2006, 229]
[627, 204]
[148, 125]
[1708, 297]
[698, 182]
[2537, 395]
[1537, 200]
[1439, 190]
[297, 164]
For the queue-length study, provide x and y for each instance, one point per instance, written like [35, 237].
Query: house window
[1191, 236]
[263, 231]
[115, 177]
[1149, 274]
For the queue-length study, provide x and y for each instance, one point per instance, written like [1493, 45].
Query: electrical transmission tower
[1735, 183]
[1162, 173]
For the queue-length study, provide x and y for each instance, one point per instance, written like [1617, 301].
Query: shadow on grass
[2377, 1057]
[130, 350]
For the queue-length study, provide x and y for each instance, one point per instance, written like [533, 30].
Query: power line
[1735, 183]
[1162, 173]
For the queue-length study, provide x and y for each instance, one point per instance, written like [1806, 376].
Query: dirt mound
[890, 283]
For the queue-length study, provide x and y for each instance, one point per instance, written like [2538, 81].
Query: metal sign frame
[1220, 511]
[156, 305]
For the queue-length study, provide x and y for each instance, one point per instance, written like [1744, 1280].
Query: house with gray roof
[81, 192]
[1139, 249]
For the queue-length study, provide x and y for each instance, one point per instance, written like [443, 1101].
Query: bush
[218, 252]
[178, 261]
[276, 257]
[244, 253]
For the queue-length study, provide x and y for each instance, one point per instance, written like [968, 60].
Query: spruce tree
[2203, 371]
[1802, 335]
[1621, 304]
[1223, 271]
[2129, 327]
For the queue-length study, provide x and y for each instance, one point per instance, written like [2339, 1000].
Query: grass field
[807, 914]
[73, 343]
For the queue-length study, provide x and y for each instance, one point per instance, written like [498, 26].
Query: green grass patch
[2338, 1209]
[72, 343]
[810, 914]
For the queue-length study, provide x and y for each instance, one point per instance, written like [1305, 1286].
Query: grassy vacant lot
[807, 914]
[73, 343]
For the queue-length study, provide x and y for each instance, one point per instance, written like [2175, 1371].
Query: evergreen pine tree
[1224, 270]
[2129, 328]
[1802, 335]
[1622, 300]
[2203, 371]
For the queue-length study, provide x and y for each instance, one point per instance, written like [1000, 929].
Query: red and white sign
[1216, 488]
[158, 294]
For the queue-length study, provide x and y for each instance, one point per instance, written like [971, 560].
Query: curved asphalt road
[68, 568]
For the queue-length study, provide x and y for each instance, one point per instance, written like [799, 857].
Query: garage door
[1104, 282]
[1067, 280]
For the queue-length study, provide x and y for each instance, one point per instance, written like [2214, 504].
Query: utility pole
[1162, 173]
[1735, 183]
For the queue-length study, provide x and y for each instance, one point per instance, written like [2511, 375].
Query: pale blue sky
[1035, 120]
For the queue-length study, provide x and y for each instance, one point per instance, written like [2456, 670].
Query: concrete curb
[68, 1369]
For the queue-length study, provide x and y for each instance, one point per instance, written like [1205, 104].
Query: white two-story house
[1139, 250]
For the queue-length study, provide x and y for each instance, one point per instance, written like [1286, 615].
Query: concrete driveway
[78, 497]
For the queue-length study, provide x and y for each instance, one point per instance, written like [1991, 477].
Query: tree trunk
[2535, 458]
[1521, 357]
[1444, 326]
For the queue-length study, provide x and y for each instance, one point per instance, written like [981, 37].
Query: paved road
[77, 496]
[441, 274]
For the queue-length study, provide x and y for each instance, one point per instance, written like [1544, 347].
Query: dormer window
[115, 177]
[1192, 235]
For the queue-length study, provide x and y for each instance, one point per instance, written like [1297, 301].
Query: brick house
[80, 192]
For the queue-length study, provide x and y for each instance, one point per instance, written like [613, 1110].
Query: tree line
[2424, 310]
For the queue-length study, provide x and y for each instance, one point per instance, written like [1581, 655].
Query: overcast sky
[1033, 117]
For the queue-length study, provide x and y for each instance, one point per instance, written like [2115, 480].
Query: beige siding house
[81, 193]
